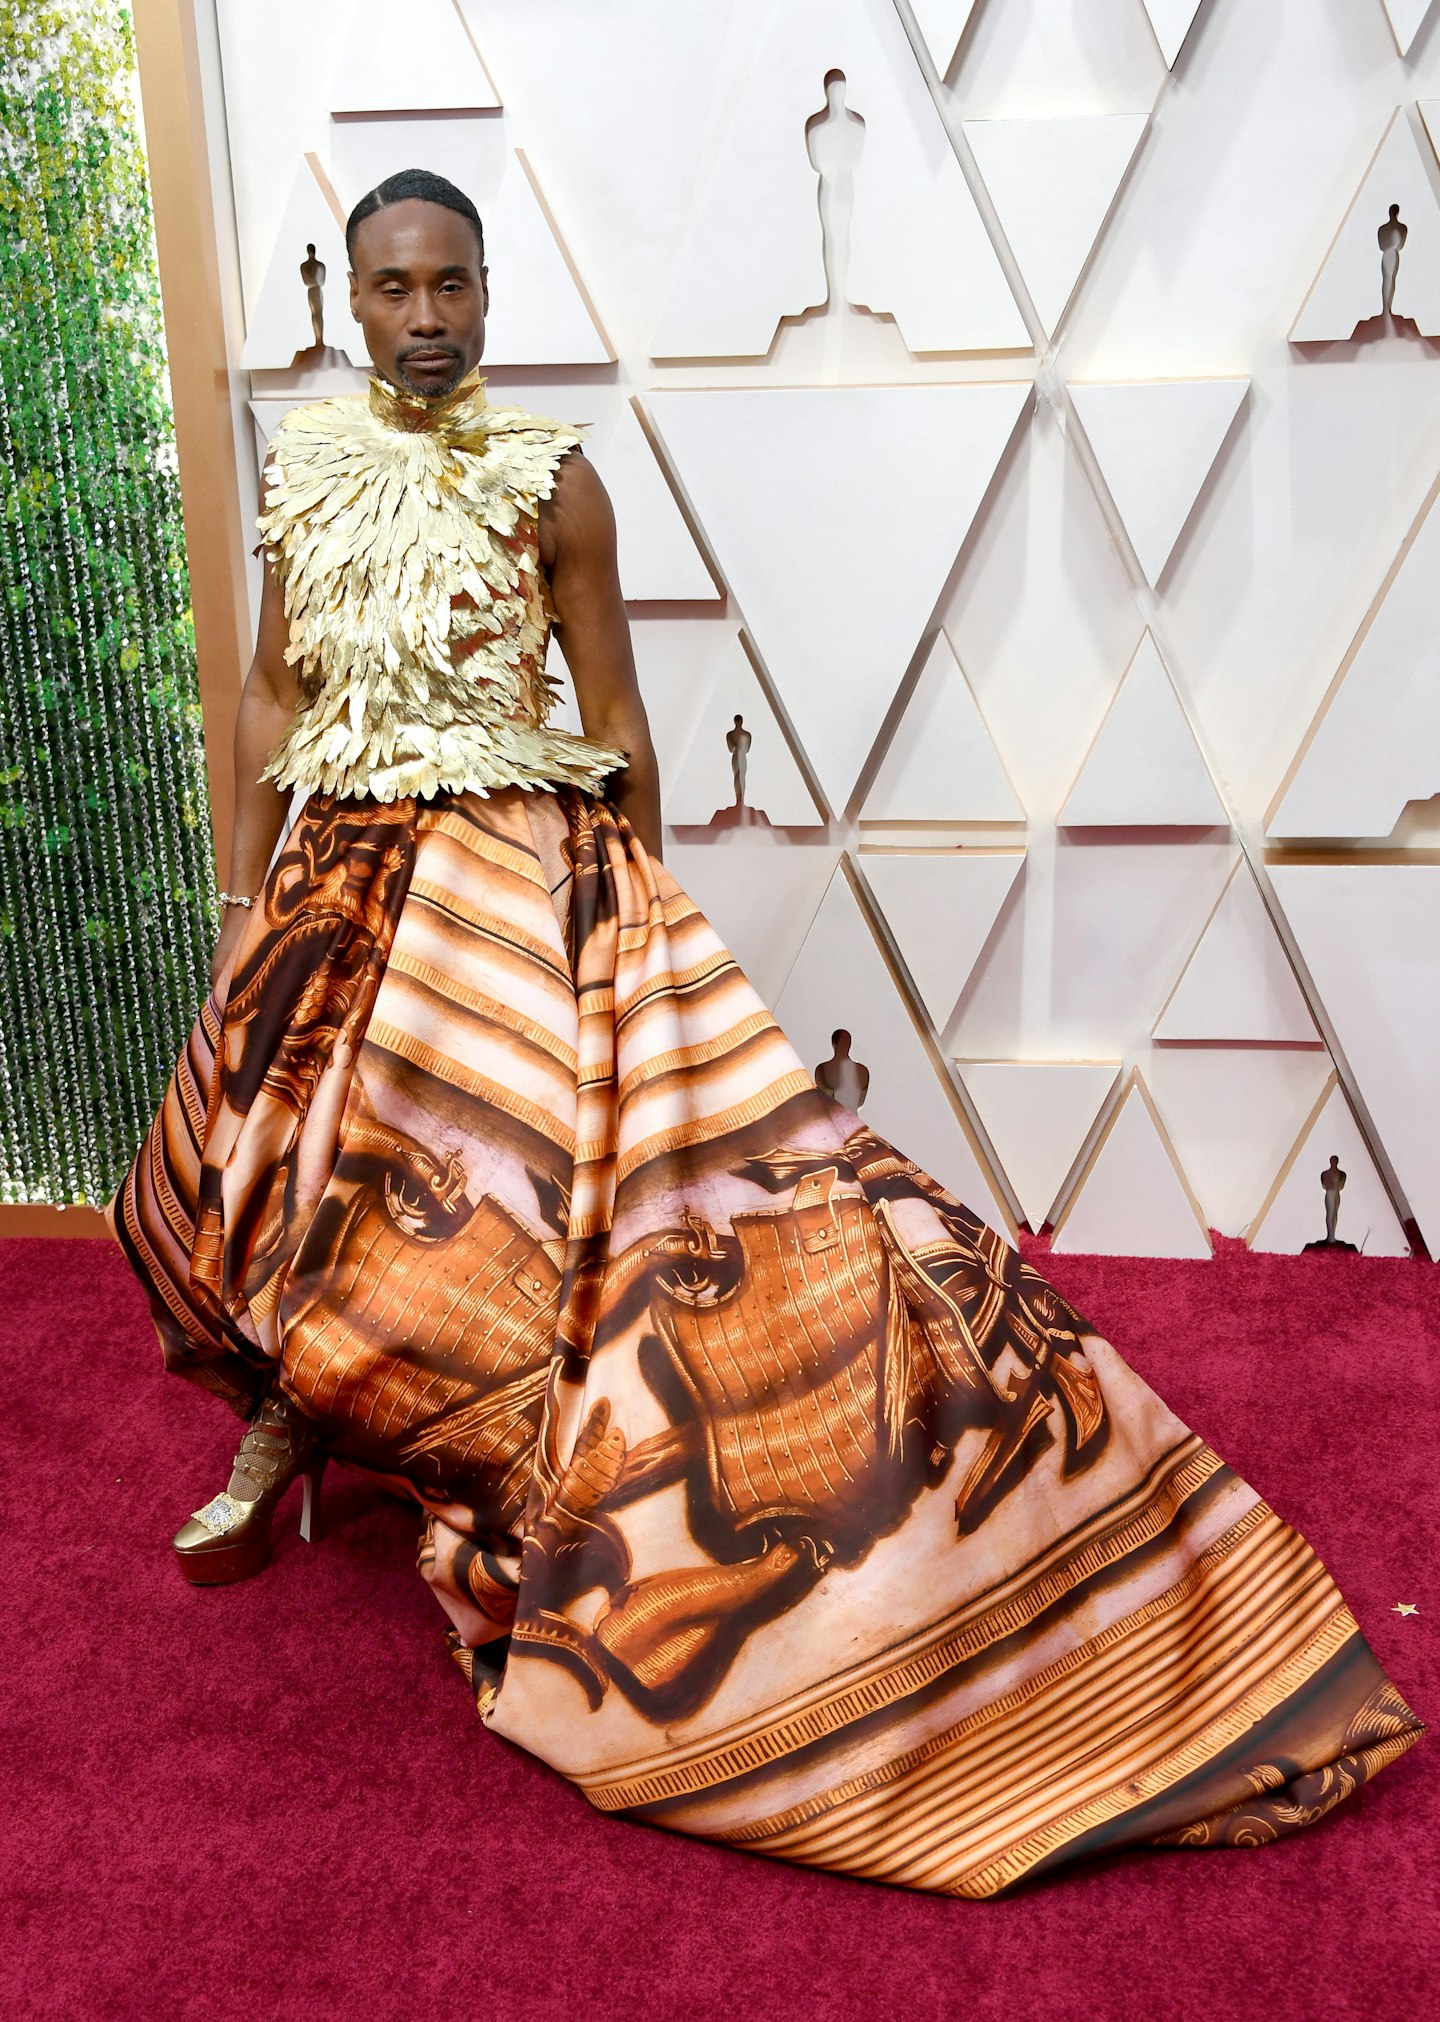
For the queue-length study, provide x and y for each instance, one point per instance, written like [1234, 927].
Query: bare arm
[267, 704]
[577, 548]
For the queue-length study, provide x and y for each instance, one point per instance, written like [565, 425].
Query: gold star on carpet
[1404, 1608]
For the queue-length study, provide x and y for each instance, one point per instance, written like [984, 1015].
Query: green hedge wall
[107, 898]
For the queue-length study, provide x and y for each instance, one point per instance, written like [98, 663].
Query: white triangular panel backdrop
[941, 909]
[1294, 1215]
[1369, 935]
[704, 786]
[1133, 1200]
[1053, 182]
[1376, 744]
[277, 323]
[1172, 21]
[1347, 289]
[1144, 769]
[1037, 1115]
[848, 453]
[755, 211]
[1155, 441]
[1231, 1113]
[1239, 983]
[661, 644]
[942, 23]
[840, 978]
[1407, 17]
[941, 763]
[428, 63]
[863, 511]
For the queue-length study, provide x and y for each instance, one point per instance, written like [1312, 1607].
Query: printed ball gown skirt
[771, 1496]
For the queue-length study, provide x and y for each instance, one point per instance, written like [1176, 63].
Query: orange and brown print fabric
[770, 1495]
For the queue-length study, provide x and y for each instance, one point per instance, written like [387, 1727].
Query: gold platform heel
[229, 1539]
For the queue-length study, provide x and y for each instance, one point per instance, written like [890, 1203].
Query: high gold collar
[452, 413]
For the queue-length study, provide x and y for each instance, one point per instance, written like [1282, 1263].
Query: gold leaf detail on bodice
[402, 530]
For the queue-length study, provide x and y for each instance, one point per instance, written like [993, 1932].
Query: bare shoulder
[577, 519]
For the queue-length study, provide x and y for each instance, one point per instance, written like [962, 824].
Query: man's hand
[230, 932]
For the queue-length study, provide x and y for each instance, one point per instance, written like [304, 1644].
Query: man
[419, 289]
[770, 1494]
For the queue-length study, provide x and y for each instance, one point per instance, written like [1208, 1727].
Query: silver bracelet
[234, 899]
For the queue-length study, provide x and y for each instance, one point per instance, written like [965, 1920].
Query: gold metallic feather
[380, 511]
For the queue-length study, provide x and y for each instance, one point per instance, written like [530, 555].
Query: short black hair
[401, 188]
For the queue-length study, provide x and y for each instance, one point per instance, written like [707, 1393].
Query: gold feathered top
[405, 533]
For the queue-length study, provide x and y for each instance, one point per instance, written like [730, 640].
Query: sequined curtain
[107, 900]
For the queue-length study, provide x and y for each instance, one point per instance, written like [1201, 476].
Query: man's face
[419, 293]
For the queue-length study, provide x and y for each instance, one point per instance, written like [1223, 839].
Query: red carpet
[274, 1801]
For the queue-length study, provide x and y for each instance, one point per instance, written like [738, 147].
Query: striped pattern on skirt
[770, 1495]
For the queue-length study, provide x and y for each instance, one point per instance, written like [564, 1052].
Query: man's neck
[408, 408]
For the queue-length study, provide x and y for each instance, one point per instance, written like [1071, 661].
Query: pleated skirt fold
[770, 1495]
